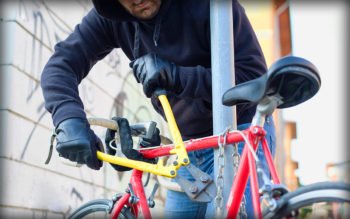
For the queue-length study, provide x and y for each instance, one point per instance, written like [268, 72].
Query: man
[168, 42]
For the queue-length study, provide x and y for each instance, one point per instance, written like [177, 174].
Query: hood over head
[112, 9]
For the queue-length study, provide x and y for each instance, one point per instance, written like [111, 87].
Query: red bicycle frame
[142, 203]
[247, 167]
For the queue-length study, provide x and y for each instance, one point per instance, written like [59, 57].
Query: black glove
[153, 72]
[125, 142]
[78, 143]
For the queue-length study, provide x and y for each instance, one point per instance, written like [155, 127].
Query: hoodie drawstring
[157, 31]
[136, 49]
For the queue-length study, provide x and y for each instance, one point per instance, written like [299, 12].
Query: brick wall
[29, 31]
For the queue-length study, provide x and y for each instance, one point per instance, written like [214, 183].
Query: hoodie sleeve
[249, 60]
[71, 61]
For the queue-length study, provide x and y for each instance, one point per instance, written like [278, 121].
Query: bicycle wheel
[319, 200]
[99, 208]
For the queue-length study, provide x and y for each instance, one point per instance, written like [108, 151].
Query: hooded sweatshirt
[179, 33]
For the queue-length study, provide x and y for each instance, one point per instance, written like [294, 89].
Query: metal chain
[243, 209]
[219, 199]
[236, 157]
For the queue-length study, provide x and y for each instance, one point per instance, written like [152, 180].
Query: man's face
[142, 9]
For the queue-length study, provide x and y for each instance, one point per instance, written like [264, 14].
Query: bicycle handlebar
[144, 129]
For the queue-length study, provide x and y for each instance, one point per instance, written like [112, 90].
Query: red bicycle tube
[192, 145]
[269, 161]
[124, 200]
[238, 187]
[254, 186]
[241, 178]
[137, 186]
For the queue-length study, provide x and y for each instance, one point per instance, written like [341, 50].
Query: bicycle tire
[297, 204]
[97, 208]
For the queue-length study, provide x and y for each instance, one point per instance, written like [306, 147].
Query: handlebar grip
[107, 123]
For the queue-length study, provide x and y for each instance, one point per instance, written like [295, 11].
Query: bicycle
[289, 82]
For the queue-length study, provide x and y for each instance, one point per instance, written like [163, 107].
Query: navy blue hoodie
[179, 33]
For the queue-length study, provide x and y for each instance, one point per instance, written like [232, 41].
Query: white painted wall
[319, 35]
[29, 31]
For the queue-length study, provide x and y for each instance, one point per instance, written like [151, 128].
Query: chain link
[220, 177]
[242, 209]
[236, 157]
[219, 199]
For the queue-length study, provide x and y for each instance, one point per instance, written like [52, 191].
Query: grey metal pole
[223, 74]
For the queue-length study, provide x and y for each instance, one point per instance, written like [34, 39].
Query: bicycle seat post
[265, 108]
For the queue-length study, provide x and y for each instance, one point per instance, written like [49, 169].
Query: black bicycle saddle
[292, 79]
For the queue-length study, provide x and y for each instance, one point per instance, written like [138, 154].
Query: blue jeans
[179, 206]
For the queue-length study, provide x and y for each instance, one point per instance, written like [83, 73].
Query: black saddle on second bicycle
[291, 79]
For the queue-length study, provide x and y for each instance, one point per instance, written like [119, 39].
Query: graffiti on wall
[44, 28]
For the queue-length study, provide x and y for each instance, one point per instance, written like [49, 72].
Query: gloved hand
[125, 142]
[153, 72]
[78, 143]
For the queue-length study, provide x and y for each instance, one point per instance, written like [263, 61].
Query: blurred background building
[29, 31]
[311, 137]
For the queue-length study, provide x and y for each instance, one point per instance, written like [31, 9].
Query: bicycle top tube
[204, 143]
[191, 145]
